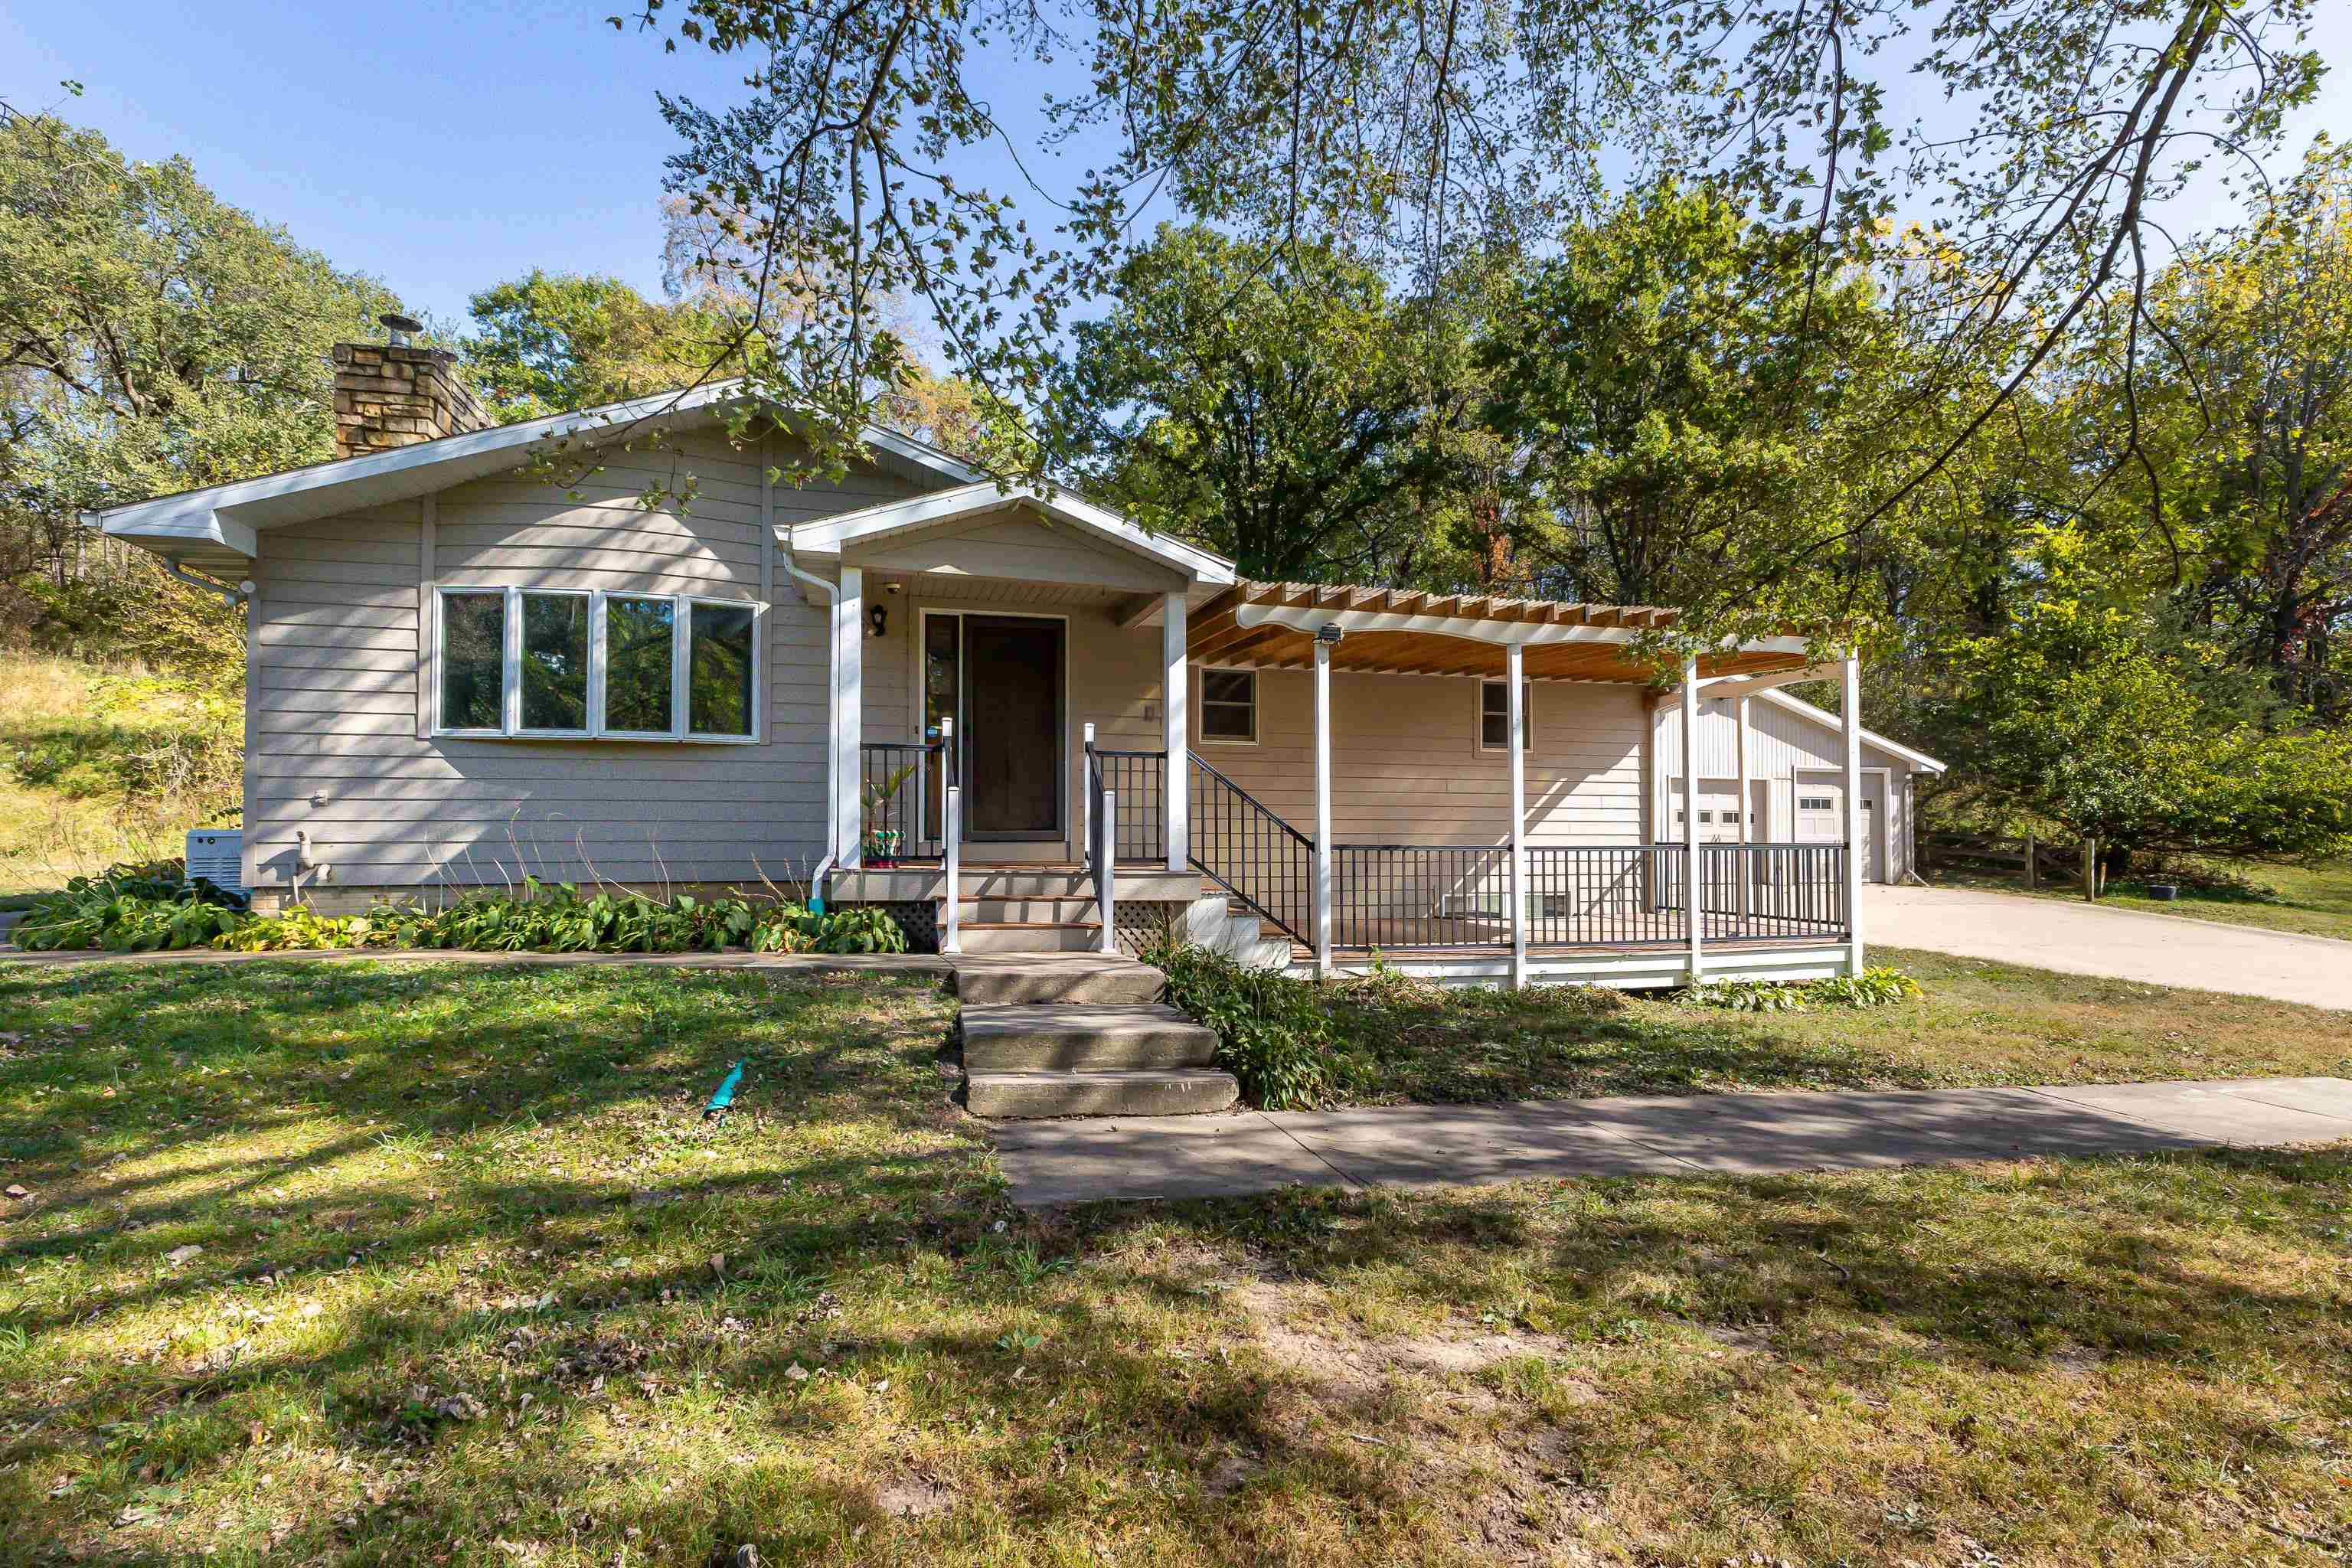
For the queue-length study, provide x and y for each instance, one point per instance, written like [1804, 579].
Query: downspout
[831, 724]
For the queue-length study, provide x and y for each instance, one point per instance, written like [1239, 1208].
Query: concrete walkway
[1055, 1163]
[2119, 944]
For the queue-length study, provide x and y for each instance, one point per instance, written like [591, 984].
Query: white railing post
[1087, 795]
[1176, 685]
[951, 906]
[1322, 808]
[1695, 890]
[1851, 701]
[1106, 857]
[1513, 664]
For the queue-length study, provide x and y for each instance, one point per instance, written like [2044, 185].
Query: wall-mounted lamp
[1329, 632]
[878, 618]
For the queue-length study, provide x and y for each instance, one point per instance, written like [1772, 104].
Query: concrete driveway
[2119, 944]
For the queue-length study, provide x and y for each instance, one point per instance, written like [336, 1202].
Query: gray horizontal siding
[332, 744]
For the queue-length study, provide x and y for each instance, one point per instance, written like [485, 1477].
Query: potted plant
[882, 841]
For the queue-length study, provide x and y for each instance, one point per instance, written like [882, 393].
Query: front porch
[1306, 776]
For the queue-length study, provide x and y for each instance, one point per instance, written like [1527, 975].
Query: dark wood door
[1013, 739]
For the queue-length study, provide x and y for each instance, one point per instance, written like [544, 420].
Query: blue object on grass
[726, 1095]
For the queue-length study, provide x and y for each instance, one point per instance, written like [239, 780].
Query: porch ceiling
[1413, 632]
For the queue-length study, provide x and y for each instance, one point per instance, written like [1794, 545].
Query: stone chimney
[394, 394]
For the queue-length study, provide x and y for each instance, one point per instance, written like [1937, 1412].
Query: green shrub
[143, 908]
[1876, 986]
[1272, 1032]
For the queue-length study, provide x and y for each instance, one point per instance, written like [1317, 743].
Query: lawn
[424, 1264]
[2314, 900]
[1980, 1023]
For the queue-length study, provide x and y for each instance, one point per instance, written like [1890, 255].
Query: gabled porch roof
[1414, 632]
[833, 538]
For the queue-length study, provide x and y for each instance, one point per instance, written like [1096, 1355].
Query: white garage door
[1820, 817]
[1718, 812]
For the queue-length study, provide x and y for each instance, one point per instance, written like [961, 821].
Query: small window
[473, 662]
[1229, 706]
[1818, 802]
[1495, 715]
[718, 670]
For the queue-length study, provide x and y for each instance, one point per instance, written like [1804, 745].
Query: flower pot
[882, 846]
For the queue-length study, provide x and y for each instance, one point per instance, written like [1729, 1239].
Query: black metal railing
[1401, 896]
[1140, 781]
[901, 786]
[1769, 891]
[1250, 852]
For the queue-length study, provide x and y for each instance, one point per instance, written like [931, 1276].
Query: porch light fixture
[878, 618]
[1329, 632]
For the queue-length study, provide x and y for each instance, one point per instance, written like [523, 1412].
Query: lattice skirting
[921, 921]
[1143, 926]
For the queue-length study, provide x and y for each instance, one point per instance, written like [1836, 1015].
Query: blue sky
[443, 147]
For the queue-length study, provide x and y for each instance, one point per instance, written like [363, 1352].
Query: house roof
[1412, 632]
[1829, 720]
[217, 527]
[828, 538]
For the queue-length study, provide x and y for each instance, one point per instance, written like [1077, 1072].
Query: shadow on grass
[1028, 1366]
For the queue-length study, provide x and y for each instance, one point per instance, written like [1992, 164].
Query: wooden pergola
[1404, 631]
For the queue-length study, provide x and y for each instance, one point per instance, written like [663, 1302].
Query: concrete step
[1158, 1091]
[1024, 884]
[988, 909]
[1086, 979]
[1030, 936]
[1029, 1038]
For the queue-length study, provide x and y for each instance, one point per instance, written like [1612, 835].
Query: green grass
[457, 1302]
[1980, 1023]
[2314, 900]
[98, 766]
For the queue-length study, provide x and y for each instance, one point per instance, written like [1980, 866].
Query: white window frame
[514, 667]
[1201, 709]
[681, 654]
[1527, 717]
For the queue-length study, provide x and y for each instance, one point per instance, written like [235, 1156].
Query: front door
[1013, 728]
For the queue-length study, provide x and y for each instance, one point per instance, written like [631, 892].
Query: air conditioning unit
[218, 857]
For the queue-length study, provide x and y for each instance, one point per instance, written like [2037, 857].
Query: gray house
[1013, 716]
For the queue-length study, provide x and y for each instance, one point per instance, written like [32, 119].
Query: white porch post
[849, 718]
[1176, 687]
[1851, 706]
[951, 906]
[1514, 664]
[1322, 808]
[1693, 892]
[1748, 866]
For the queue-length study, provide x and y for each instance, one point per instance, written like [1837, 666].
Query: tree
[1268, 408]
[1422, 136]
[2087, 713]
[152, 339]
[1704, 417]
[546, 343]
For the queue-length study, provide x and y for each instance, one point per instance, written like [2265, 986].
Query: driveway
[2119, 944]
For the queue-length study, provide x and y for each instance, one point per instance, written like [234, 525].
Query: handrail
[1202, 763]
[1208, 835]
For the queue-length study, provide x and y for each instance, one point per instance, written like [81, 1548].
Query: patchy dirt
[914, 1498]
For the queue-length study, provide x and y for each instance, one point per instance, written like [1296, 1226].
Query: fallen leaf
[797, 1372]
[180, 1255]
[718, 1264]
[17, 1191]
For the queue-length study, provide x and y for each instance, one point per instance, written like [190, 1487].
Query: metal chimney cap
[400, 326]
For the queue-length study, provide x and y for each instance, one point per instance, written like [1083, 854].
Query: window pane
[473, 660]
[1228, 685]
[1225, 721]
[555, 662]
[1492, 700]
[638, 661]
[942, 663]
[718, 670]
[1495, 715]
